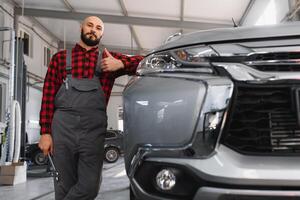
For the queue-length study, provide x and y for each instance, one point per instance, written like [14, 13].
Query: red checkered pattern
[83, 66]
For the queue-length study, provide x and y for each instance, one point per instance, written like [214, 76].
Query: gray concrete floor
[114, 186]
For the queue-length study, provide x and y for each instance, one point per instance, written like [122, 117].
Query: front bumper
[152, 127]
[212, 193]
[228, 175]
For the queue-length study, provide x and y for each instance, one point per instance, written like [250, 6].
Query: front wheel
[39, 158]
[111, 154]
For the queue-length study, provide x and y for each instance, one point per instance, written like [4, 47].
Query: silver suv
[216, 115]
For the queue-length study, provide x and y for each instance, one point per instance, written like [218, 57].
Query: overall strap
[98, 65]
[69, 62]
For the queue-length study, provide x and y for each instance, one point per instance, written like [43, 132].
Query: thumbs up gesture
[110, 64]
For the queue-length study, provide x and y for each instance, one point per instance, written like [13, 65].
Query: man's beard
[88, 41]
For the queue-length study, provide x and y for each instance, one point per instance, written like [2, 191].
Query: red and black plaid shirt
[83, 65]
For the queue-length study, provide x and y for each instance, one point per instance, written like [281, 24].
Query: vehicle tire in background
[111, 154]
[39, 158]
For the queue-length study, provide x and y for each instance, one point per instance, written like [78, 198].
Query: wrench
[55, 172]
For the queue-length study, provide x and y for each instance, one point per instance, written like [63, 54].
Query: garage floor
[114, 186]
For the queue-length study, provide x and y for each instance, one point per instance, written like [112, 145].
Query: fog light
[165, 179]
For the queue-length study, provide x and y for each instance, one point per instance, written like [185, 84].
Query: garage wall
[267, 12]
[33, 105]
[4, 98]
[8, 22]
[35, 64]
[115, 102]
[5, 21]
[113, 112]
[39, 41]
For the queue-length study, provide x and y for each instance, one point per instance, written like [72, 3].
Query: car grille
[275, 62]
[263, 120]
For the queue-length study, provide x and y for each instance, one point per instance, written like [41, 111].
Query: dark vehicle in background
[215, 115]
[113, 148]
[113, 145]
[34, 155]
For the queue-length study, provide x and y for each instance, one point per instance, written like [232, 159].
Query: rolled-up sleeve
[49, 91]
[130, 63]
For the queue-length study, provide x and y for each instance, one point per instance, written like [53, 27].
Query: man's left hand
[110, 64]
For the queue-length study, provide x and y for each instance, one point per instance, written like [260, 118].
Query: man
[73, 113]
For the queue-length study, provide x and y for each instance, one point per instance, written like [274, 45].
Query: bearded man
[73, 116]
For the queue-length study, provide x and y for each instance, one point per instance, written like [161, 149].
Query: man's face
[91, 31]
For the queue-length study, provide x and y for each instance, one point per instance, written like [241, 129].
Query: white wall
[35, 65]
[35, 61]
[1, 33]
[4, 80]
[112, 111]
[33, 105]
[8, 22]
[40, 39]
[114, 103]
[267, 12]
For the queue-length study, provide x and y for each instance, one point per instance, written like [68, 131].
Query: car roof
[289, 29]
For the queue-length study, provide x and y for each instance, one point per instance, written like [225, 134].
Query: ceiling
[138, 25]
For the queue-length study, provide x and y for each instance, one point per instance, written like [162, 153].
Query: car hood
[291, 29]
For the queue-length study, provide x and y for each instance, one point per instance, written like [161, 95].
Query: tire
[111, 154]
[39, 158]
[131, 194]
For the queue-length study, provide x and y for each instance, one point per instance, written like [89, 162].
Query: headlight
[193, 59]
